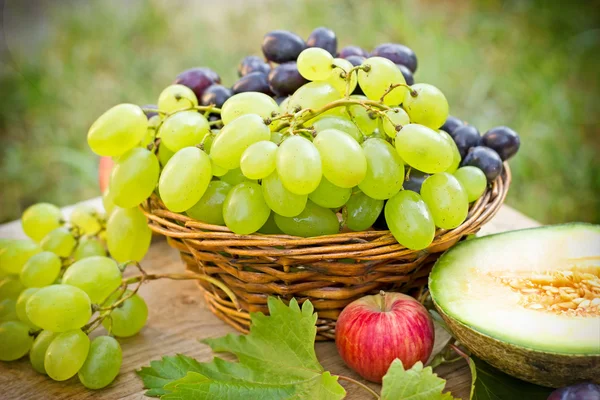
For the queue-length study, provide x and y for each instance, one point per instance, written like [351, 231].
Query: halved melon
[527, 302]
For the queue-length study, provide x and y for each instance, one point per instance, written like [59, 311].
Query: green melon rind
[542, 368]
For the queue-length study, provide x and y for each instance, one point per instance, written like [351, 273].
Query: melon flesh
[504, 286]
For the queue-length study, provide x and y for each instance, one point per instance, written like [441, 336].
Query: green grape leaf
[277, 360]
[417, 383]
[491, 384]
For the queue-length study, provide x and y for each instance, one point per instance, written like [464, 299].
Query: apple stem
[381, 300]
[362, 385]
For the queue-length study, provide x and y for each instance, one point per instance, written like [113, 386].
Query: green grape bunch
[330, 137]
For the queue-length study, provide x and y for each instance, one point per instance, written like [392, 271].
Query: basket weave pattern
[330, 271]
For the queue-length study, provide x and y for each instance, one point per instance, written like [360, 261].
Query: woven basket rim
[181, 226]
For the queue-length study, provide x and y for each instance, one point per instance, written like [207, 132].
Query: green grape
[15, 252]
[472, 180]
[39, 219]
[299, 165]
[236, 137]
[270, 227]
[176, 97]
[184, 129]
[108, 201]
[375, 82]
[134, 177]
[59, 241]
[446, 199]
[127, 319]
[15, 340]
[184, 179]
[66, 354]
[164, 154]
[385, 169]
[395, 116]
[97, 276]
[424, 149]
[456, 159]
[312, 221]
[59, 308]
[86, 219]
[410, 220]
[41, 270]
[150, 135]
[337, 76]
[344, 163]
[218, 171]
[258, 160]
[339, 123]
[8, 310]
[330, 196]
[429, 107]
[362, 211]
[281, 200]
[128, 235]
[102, 364]
[365, 120]
[209, 208]
[209, 139]
[314, 64]
[117, 130]
[10, 287]
[89, 247]
[248, 103]
[245, 209]
[315, 95]
[21, 306]
[277, 137]
[234, 177]
[37, 354]
[283, 105]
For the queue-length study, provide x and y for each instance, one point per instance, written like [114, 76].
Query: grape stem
[362, 385]
[412, 92]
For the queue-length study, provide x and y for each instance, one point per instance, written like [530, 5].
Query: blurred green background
[532, 65]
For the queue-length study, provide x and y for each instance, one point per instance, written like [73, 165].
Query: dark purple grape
[451, 125]
[285, 79]
[324, 38]
[397, 53]
[282, 46]
[215, 94]
[253, 82]
[486, 160]
[198, 79]
[353, 51]
[408, 75]
[147, 108]
[380, 223]
[253, 64]
[415, 180]
[580, 391]
[356, 60]
[466, 137]
[504, 140]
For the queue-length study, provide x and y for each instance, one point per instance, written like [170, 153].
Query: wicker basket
[330, 271]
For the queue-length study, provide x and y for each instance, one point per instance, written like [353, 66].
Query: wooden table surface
[178, 317]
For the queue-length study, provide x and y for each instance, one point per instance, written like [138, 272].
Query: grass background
[531, 65]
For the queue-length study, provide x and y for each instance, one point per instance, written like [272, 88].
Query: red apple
[374, 330]
[104, 168]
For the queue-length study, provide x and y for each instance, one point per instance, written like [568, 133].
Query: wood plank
[178, 317]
